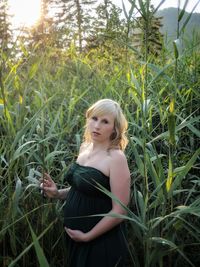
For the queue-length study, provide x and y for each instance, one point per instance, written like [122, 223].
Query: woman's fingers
[48, 186]
[46, 179]
[47, 176]
[77, 235]
[70, 232]
[45, 183]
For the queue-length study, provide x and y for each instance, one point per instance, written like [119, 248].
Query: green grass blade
[184, 172]
[172, 246]
[39, 251]
[13, 263]
[188, 18]
[183, 10]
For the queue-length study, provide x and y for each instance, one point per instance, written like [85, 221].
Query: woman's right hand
[48, 186]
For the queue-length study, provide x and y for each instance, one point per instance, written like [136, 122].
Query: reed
[43, 100]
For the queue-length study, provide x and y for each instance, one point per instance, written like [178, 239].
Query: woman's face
[101, 127]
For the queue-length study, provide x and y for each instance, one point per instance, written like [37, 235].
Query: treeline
[84, 24]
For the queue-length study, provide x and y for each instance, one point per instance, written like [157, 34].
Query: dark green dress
[85, 199]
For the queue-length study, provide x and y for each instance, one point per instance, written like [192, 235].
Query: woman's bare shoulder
[117, 155]
[119, 165]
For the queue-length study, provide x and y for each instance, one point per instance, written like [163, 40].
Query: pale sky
[25, 12]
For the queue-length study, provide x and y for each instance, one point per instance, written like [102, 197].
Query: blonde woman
[96, 241]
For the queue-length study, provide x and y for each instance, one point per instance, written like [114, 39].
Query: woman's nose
[97, 124]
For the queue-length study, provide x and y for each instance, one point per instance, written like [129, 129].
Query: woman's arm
[62, 193]
[50, 189]
[120, 188]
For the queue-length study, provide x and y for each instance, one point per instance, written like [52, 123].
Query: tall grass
[43, 100]
[159, 194]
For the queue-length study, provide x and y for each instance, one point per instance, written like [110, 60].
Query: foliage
[5, 27]
[44, 94]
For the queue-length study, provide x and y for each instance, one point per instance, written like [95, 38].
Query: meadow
[44, 96]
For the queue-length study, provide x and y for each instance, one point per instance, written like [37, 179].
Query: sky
[26, 12]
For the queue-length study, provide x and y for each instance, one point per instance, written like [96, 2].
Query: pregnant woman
[99, 180]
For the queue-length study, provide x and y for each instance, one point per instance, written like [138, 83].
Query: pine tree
[108, 30]
[108, 21]
[5, 27]
[42, 32]
[73, 20]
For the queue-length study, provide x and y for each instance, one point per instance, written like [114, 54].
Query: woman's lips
[96, 133]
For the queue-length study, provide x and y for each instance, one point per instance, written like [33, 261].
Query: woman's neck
[99, 146]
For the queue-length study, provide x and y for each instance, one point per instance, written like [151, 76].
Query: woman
[95, 238]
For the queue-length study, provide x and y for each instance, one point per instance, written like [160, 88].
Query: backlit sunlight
[25, 12]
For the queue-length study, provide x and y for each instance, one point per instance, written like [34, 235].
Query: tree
[5, 30]
[108, 19]
[42, 32]
[107, 27]
[73, 19]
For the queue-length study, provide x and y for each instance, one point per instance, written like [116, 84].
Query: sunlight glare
[25, 12]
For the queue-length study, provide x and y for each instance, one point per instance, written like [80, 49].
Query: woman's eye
[105, 121]
[94, 118]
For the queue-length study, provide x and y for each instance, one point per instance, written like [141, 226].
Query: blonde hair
[107, 106]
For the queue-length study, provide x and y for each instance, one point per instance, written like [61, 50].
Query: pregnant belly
[82, 212]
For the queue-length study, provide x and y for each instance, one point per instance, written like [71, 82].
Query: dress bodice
[87, 179]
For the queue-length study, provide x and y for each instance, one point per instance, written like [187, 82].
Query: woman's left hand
[77, 235]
